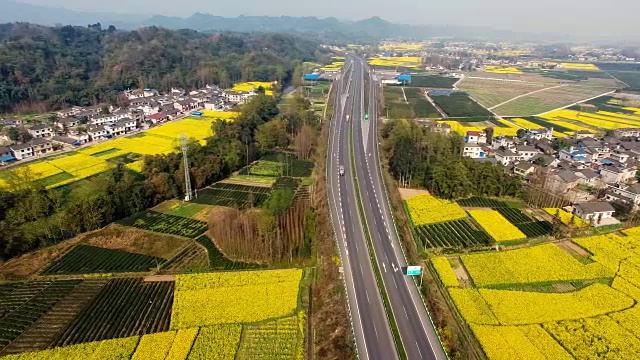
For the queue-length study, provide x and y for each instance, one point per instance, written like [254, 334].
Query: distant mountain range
[368, 29]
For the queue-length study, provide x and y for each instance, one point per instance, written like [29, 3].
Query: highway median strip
[381, 288]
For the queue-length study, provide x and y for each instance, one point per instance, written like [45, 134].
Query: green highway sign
[414, 270]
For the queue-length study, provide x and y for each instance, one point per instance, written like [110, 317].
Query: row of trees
[52, 67]
[434, 161]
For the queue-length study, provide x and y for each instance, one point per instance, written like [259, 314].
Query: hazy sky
[586, 17]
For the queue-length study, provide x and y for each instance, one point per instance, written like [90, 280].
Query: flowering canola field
[570, 309]
[426, 209]
[218, 298]
[248, 86]
[500, 229]
[587, 121]
[566, 218]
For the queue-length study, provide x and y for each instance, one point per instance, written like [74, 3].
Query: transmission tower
[187, 179]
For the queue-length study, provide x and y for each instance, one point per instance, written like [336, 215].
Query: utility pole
[187, 178]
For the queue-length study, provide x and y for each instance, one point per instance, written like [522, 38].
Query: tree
[14, 133]
[304, 142]
[540, 161]
[521, 133]
[489, 132]
[272, 135]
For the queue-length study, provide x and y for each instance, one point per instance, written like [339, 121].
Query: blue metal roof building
[311, 76]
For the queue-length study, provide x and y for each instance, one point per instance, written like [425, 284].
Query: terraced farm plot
[217, 260]
[124, 307]
[490, 93]
[21, 305]
[166, 224]
[83, 259]
[548, 100]
[181, 208]
[279, 339]
[450, 234]
[233, 195]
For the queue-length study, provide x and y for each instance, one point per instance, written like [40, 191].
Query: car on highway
[347, 117]
[341, 170]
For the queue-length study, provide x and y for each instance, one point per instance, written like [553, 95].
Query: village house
[502, 141]
[586, 177]
[526, 152]
[22, 151]
[561, 181]
[67, 123]
[524, 168]
[628, 194]
[476, 137]
[582, 134]
[506, 157]
[627, 132]
[186, 105]
[539, 134]
[128, 124]
[40, 131]
[103, 119]
[473, 151]
[69, 112]
[595, 211]
[6, 155]
[544, 160]
[40, 146]
[115, 129]
[96, 132]
[573, 155]
[158, 118]
[617, 175]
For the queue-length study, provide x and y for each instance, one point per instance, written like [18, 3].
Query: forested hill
[52, 67]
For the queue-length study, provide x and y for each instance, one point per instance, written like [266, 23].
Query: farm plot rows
[459, 104]
[279, 339]
[527, 225]
[166, 224]
[21, 305]
[291, 165]
[397, 107]
[234, 195]
[124, 307]
[217, 260]
[86, 259]
[477, 201]
[421, 107]
[456, 233]
[500, 229]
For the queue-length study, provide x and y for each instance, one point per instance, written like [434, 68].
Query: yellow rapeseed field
[567, 218]
[472, 306]
[182, 343]
[114, 349]
[521, 307]
[426, 209]
[409, 62]
[538, 264]
[248, 86]
[216, 342]
[500, 229]
[154, 346]
[578, 312]
[250, 296]
[445, 272]
[502, 70]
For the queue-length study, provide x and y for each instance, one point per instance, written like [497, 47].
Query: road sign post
[415, 271]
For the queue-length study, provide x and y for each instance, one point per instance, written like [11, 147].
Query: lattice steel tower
[188, 194]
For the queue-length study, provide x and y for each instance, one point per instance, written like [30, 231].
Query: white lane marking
[384, 266]
[394, 282]
[405, 312]
[419, 349]
[367, 293]
[376, 331]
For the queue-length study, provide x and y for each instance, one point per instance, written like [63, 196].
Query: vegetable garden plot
[217, 260]
[124, 307]
[527, 225]
[83, 259]
[230, 198]
[166, 224]
[287, 182]
[242, 188]
[27, 303]
[456, 233]
[477, 201]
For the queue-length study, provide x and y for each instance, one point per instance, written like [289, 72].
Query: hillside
[52, 67]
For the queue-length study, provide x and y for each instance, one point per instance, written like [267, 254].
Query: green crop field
[166, 224]
[448, 234]
[233, 195]
[458, 104]
[433, 81]
[394, 101]
[86, 259]
[124, 307]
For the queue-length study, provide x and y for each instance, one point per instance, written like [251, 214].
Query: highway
[358, 137]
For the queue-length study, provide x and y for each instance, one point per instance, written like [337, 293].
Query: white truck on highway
[341, 170]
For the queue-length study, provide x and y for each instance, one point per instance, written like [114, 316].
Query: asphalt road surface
[356, 136]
